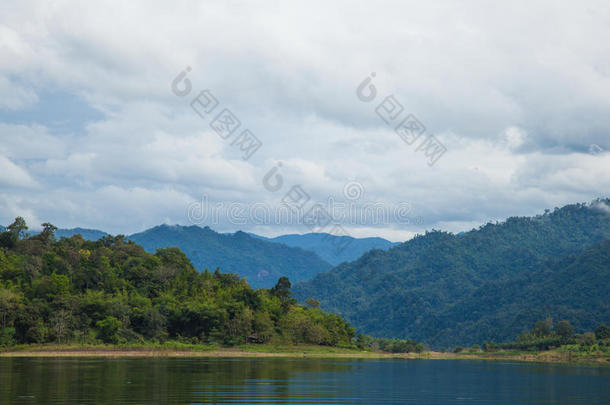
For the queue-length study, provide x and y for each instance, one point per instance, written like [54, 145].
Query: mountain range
[261, 260]
[486, 284]
[87, 234]
[334, 249]
[444, 289]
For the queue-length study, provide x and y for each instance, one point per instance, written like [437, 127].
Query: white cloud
[14, 97]
[515, 101]
[12, 175]
[30, 142]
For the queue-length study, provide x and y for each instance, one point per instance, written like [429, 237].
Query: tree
[48, 233]
[543, 328]
[602, 332]
[61, 323]
[64, 290]
[107, 329]
[18, 227]
[588, 338]
[312, 302]
[8, 240]
[283, 292]
[8, 305]
[564, 329]
[282, 288]
[363, 341]
[263, 326]
[240, 326]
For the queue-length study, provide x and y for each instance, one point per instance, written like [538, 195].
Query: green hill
[87, 234]
[575, 288]
[437, 287]
[113, 291]
[332, 248]
[260, 261]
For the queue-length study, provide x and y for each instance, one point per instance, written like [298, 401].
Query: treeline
[365, 342]
[447, 290]
[546, 335]
[113, 291]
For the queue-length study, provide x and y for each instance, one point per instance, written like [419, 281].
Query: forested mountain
[209, 249]
[260, 261]
[574, 288]
[113, 291]
[485, 284]
[87, 234]
[334, 249]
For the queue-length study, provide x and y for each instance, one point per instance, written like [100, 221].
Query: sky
[123, 115]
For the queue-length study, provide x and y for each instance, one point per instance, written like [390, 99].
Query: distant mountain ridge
[334, 249]
[439, 287]
[260, 261]
[87, 234]
[330, 248]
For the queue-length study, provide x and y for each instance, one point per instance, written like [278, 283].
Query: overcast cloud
[91, 134]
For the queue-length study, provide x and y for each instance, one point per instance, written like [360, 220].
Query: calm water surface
[297, 381]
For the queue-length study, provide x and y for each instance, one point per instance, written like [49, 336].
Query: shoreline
[51, 351]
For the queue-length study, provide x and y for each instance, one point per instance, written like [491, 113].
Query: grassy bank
[298, 351]
[546, 356]
[186, 350]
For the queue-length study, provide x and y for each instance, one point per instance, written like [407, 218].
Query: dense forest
[113, 291]
[334, 249]
[491, 283]
[547, 335]
[260, 261]
[575, 287]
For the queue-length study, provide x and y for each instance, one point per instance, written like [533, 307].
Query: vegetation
[365, 342]
[545, 337]
[483, 285]
[112, 291]
[332, 248]
[260, 261]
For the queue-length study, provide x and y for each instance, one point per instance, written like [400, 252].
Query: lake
[299, 381]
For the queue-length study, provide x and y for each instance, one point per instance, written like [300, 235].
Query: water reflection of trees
[177, 380]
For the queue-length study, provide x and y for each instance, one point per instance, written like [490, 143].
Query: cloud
[600, 205]
[14, 97]
[30, 142]
[87, 115]
[14, 176]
